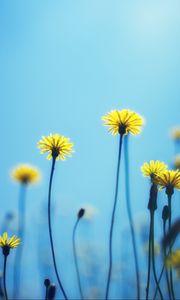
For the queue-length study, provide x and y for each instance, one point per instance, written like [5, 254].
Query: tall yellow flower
[175, 133]
[153, 168]
[123, 122]
[169, 179]
[25, 174]
[56, 145]
[173, 261]
[9, 243]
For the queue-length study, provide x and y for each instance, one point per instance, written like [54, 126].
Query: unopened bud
[165, 213]
[81, 213]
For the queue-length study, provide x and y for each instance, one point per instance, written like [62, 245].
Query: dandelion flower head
[7, 243]
[57, 146]
[153, 168]
[123, 122]
[25, 174]
[169, 179]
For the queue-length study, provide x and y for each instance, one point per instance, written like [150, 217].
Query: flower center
[122, 129]
[6, 250]
[55, 152]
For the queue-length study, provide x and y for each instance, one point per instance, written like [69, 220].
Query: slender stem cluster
[152, 206]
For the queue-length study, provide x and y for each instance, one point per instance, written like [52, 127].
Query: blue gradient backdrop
[64, 64]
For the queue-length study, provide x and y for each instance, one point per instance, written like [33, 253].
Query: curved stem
[112, 218]
[170, 247]
[21, 231]
[4, 277]
[149, 261]
[164, 248]
[75, 258]
[130, 215]
[161, 274]
[153, 257]
[50, 228]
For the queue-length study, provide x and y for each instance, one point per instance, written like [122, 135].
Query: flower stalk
[126, 152]
[4, 276]
[113, 217]
[21, 231]
[80, 215]
[152, 206]
[169, 192]
[165, 217]
[50, 227]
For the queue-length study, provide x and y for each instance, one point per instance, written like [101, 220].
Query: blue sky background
[63, 65]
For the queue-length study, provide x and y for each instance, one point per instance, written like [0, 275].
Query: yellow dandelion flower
[173, 261]
[7, 243]
[56, 145]
[177, 162]
[175, 133]
[169, 179]
[25, 174]
[153, 168]
[123, 122]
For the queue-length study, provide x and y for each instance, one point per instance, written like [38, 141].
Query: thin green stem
[50, 228]
[164, 248]
[149, 261]
[153, 257]
[21, 234]
[4, 277]
[170, 247]
[128, 204]
[113, 217]
[75, 257]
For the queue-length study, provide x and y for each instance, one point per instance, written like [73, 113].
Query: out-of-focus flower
[175, 133]
[177, 162]
[56, 145]
[173, 260]
[157, 248]
[123, 122]
[8, 243]
[89, 211]
[25, 174]
[153, 168]
[169, 179]
[172, 234]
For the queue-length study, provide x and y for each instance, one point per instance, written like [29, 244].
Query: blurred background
[64, 64]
